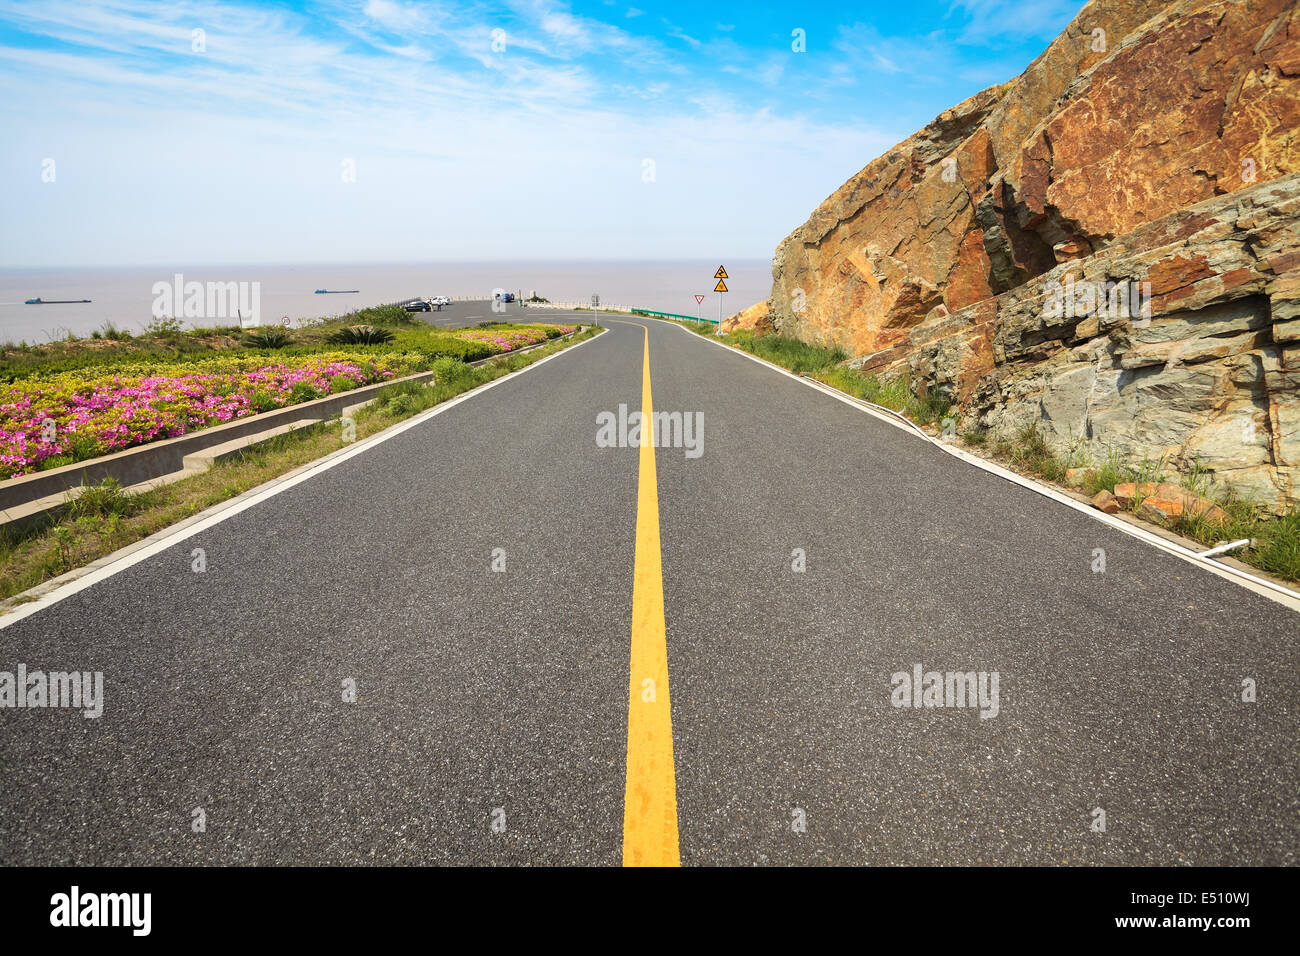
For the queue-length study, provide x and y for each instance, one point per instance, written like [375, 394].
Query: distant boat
[55, 301]
[336, 291]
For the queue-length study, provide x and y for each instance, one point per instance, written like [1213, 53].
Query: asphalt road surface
[503, 717]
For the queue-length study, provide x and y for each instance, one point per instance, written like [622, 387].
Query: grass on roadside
[1277, 538]
[826, 365]
[1028, 451]
[104, 518]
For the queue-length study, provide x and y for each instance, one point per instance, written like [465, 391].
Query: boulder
[1106, 502]
[1128, 492]
[1159, 510]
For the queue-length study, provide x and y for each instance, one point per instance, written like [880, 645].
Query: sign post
[595, 304]
[698, 300]
[720, 288]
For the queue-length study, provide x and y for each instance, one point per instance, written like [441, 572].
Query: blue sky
[475, 130]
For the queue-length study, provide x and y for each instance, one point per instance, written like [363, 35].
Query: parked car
[507, 297]
[441, 300]
[423, 305]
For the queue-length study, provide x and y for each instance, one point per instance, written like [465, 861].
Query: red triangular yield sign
[699, 299]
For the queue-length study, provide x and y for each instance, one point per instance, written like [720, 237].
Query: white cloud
[865, 51]
[396, 16]
[991, 19]
[233, 154]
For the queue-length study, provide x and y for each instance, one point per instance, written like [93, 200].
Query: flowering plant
[70, 417]
[507, 340]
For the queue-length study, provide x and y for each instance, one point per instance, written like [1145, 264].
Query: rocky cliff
[1108, 245]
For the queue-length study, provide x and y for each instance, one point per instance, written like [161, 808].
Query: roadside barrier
[675, 315]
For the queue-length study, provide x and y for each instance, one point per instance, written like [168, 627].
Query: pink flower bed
[40, 420]
[508, 341]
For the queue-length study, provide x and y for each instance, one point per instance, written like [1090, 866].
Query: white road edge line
[119, 561]
[1275, 592]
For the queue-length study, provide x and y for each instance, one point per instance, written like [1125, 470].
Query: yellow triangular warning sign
[720, 287]
[721, 274]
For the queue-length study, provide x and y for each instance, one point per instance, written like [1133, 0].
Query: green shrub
[269, 337]
[79, 447]
[404, 398]
[341, 383]
[165, 325]
[101, 500]
[434, 344]
[360, 335]
[452, 371]
[401, 406]
[262, 401]
[82, 445]
[55, 461]
[111, 331]
[302, 392]
[380, 315]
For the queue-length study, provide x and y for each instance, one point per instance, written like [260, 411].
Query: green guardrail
[673, 315]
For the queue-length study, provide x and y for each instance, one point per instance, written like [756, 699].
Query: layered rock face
[1107, 245]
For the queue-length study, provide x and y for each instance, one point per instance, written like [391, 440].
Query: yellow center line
[650, 801]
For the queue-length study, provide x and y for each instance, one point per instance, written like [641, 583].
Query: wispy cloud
[989, 19]
[865, 51]
[453, 112]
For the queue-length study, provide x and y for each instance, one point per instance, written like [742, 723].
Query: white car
[440, 300]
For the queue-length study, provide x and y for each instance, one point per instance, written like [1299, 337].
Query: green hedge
[449, 347]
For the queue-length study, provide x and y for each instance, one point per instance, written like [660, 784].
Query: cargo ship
[40, 301]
